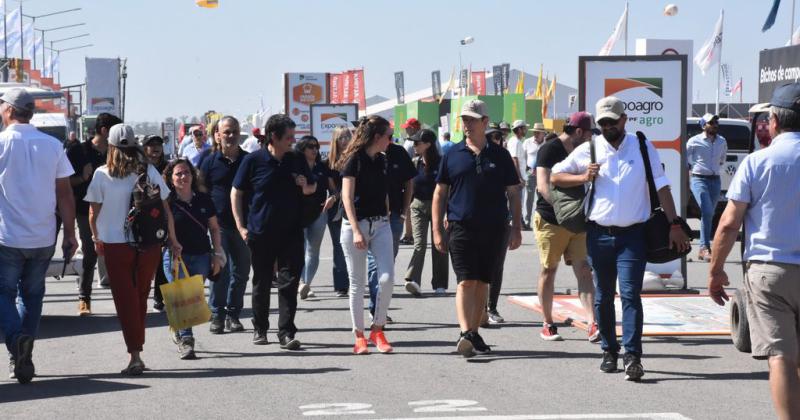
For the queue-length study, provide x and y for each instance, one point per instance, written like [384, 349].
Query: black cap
[787, 96]
[151, 139]
[424, 135]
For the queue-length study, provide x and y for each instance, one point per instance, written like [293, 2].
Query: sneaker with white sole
[303, 290]
[495, 318]
[413, 288]
[550, 333]
[633, 367]
[440, 291]
[311, 294]
[464, 345]
[594, 333]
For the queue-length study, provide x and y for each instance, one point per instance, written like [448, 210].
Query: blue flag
[771, 16]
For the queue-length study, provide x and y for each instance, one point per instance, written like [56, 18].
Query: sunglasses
[197, 133]
[607, 122]
[312, 146]
[713, 122]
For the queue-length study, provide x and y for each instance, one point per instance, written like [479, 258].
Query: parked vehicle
[54, 124]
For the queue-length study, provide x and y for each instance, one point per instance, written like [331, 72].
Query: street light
[53, 29]
[58, 54]
[466, 41]
[33, 18]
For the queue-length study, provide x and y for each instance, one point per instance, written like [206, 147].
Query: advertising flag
[335, 88]
[620, 31]
[497, 79]
[726, 78]
[479, 83]
[506, 76]
[208, 4]
[347, 87]
[462, 81]
[450, 84]
[436, 84]
[773, 12]
[710, 52]
[13, 33]
[520, 89]
[795, 39]
[538, 94]
[399, 87]
[737, 87]
[358, 89]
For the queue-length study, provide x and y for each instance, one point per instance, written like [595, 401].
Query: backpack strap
[648, 170]
[590, 199]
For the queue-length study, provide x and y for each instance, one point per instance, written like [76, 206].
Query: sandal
[133, 369]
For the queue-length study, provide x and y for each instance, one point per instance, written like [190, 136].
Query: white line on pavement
[648, 416]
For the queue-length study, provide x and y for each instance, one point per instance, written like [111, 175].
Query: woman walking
[195, 217]
[366, 226]
[325, 197]
[427, 164]
[341, 138]
[130, 268]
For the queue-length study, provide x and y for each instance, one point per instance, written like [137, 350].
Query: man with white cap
[705, 154]
[476, 183]
[194, 149]
[531, 147]
[615, 235]
[34, 181]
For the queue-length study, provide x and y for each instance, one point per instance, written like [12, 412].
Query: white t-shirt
[531, 149]
[251, 145]
[514, 146]
[30, 164]
[115, 196]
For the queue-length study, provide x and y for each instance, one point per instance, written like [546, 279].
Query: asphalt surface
[78, 362]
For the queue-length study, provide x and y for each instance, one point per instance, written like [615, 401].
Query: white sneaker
[303, 290]
[413, 288]
[311, 293]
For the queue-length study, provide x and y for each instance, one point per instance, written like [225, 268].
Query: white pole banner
[301, 90]
[102, 86]
[325, 118]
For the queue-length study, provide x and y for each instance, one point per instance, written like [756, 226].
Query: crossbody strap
[593, 159]
[186, 212]
[648, 170]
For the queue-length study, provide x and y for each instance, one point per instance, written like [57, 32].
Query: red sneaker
[361, 346]
[550, 333]
[377, 338]
[594, 333]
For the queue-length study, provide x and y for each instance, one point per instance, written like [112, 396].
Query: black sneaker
[186, 348]
[633, 367]
[609, 364]
[342, 293]
[217, 326]
[260, 337]
[465, 346]
[23, 368]
[289, 343]
[232, 324]
[158, 306]
[480, 346]
[11, 364]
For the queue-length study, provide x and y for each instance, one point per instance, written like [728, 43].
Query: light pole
[466, 41]
[54, 29]
[58, 54]
[33, 18]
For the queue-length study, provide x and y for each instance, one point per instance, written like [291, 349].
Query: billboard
[301, 90]
[102, 86]
[326, 117]
[648, 46]
[653, 89]
[777, 67]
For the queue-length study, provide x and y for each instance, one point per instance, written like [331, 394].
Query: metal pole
[791, 28]
[460, 70]
[719, 61]
[627, 12]
[21, 35]
[33, 25]
[5, 32]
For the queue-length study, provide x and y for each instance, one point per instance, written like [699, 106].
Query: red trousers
[130, 273]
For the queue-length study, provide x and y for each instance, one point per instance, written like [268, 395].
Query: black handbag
[657, 227]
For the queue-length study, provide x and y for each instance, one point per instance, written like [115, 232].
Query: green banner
[400, 117]
[456, 134]
[513, 107]
[495, 105]
[533, 111]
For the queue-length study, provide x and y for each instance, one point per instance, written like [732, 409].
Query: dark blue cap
[787, 96]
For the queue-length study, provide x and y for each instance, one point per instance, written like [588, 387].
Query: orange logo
[307, 93]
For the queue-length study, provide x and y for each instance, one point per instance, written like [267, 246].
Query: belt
[706, 176]
[614, 230]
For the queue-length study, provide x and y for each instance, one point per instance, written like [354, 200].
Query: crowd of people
[265, 204]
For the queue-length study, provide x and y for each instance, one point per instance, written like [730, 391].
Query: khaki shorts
[554, 241]
[772, 293]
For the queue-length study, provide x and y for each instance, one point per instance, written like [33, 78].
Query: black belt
[706, 176]
[614, 230]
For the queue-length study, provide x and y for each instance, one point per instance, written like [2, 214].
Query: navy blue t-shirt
[401, 169]
[477, 183]
[218, 173]
[425, 183]
[320, 175]
[274, 200]
[192, 231]
[371, 183]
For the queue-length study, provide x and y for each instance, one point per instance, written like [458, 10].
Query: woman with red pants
[130, 269]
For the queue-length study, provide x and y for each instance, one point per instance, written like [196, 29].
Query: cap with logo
[474, 108]
[582, 120]
[19, 99]
[518, 123]
[707, 118]
[609, 107]
[785, 96]
[121, 135]
[411, 122]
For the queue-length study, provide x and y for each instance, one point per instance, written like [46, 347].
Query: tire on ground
[740, 328]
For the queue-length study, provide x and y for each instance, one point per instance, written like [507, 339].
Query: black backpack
[146, 223]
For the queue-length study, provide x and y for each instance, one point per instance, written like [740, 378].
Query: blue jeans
[313, 239]
[226, 296]
[195, 264]
[621, 256]
[396, 223]
[341, 280]
[706, 193]
[22, 272]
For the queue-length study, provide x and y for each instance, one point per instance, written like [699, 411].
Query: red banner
[335, 88]
[347, 87]
[358, 89]
[478, 83]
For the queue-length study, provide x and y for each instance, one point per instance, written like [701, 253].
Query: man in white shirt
[517, 151]
[193, 149]
[531, 146]
[34, 182]
[615, 232]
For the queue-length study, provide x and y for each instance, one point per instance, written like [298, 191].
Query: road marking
[336, 409]
[443, 406]
[648, 416]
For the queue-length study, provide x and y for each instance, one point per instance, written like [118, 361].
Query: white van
[54, 124]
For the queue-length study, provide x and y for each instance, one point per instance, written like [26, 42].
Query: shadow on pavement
[687, 376]
[55, 326]
[43, 388]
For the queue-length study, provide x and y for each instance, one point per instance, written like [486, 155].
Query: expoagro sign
[301, 91]
[102, 86]
[653, 89]
[327, 117]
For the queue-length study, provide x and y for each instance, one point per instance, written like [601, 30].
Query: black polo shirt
[80, 154]
[319, 175]
[218, 173]
[477, 183]
[192, 231]
[424, 183]
[274, 200]
[372, 183]
[401, 169]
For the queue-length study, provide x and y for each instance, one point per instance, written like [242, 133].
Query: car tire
[740, 328]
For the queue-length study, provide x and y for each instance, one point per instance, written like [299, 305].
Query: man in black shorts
[476, 183]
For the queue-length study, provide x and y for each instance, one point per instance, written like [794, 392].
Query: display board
[327, 117]
[301, 90]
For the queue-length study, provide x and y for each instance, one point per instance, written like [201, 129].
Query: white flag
[710, 51]
[795, 38]
[13, 33]
[27, 38]
[55, 61]
[619, 31]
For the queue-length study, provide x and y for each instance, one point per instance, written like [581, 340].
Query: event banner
[358, 89]
[653, 89]
[497, 79]
[478, 83]
[336, 92]
[327, 117]
[777, 67]
[399, 87]
[301, 90]
[506, 75]
[436, 84]
[102, 86]
[462, 81]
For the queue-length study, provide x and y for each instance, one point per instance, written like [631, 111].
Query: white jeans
[378, 236]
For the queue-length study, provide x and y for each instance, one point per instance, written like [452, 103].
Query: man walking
[477, 180]
[765, 193]
[34, 180]
[531, 147]
[615, 234]
[555, 241]
[194, 147]
[85, 158]
[274, 180]
[705, 154]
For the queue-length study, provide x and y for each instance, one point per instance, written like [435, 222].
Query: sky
[185, 60]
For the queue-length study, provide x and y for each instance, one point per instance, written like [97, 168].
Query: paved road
[78, 360]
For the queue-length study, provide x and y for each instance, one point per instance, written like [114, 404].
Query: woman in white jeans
[366, 226]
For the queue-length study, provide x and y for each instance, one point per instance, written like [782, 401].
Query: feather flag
[449, 85]
[773, 13]
[208, 4]
[551, 91]
[795, 38]
[520, 88]
[620, 31]
[737, 87]
[710, 52]
[538, 93]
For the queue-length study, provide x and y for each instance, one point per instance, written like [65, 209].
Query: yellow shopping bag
[185, 298]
